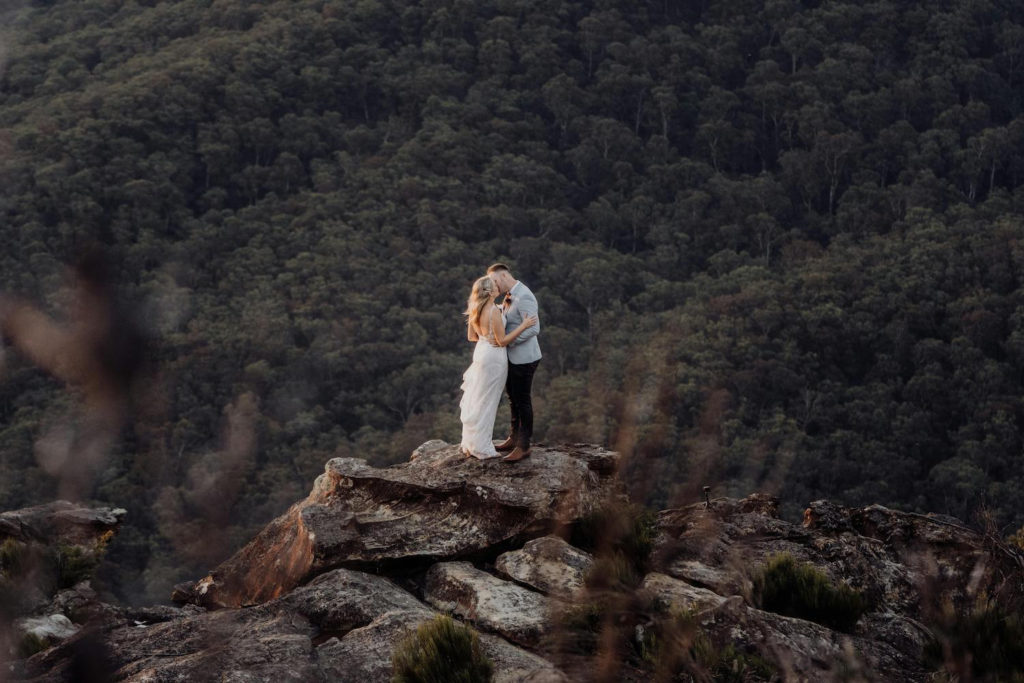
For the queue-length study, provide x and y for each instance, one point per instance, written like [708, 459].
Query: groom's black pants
[518, 386]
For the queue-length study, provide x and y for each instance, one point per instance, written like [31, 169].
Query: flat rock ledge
[436, 507]
[60, 522]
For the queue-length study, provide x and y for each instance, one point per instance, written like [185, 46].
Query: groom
[523, 358]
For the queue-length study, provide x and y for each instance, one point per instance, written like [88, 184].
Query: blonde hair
[484, 291]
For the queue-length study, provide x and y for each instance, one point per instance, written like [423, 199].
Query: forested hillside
[777, 245]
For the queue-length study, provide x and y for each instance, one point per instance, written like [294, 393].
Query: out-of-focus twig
[96, 353]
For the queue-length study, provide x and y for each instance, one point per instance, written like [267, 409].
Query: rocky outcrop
[442, 534]
[548, 564]
[673, 593]
[50, 628]
[896, 559]
[438, 506]
[59, 522]
[45, 548]
[517, 614]
[890, 556]
[342, 626]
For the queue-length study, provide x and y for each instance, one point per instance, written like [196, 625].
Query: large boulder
[672, 593]
[47, 629]
[516, 613]
[438, 506]
[547, 564]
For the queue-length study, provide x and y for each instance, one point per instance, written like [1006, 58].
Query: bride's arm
[471, 334]
[498, 330]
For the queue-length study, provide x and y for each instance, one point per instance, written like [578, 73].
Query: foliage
[1016, 539]
[798, 589]
[675, 644]
[13, 557]
[729, 665]
[76, 563]
[439, 651]
[73, 564]
[986, 643]
[621, 534]
[615, 571]
[579, 625]
[777, 246]
[30, 644]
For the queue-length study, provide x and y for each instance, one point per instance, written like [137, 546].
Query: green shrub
[618, 530]
[612, 572]
[729, 665]
[676, 647]
[441, 651]
[1017, 539]
[580, 624]
[74, 564]
[988, 641]
[12, 557]
[31, 644]
[798, 589]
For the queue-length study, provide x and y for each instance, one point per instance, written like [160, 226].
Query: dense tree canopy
[777, 244]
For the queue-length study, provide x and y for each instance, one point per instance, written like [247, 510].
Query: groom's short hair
[494, 268]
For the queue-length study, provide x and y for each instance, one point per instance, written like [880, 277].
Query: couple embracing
[505, 357]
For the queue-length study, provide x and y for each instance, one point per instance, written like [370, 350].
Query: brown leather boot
[506, 445]
[516, 455]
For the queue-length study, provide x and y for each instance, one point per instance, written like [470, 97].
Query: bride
[483, 382]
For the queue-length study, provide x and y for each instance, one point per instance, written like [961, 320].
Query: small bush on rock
[441, 651]
[12, 557]
[799, 589]
[73, 564]
[1016, 539]
[986, 644]
[675, 647]
[31, 644]
[621, 535]
[615, 572]
[579, 625]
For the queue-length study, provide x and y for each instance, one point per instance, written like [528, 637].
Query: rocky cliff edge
[327, 590]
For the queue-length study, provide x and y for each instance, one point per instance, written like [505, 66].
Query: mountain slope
[775, 244]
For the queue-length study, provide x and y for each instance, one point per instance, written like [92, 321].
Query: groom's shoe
[506, 445]
[517, 455]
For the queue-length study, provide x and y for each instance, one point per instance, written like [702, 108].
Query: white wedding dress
[482, 385]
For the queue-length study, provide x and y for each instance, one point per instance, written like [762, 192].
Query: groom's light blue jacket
[526, 348]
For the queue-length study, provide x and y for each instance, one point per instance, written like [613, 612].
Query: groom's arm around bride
[522, 304]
